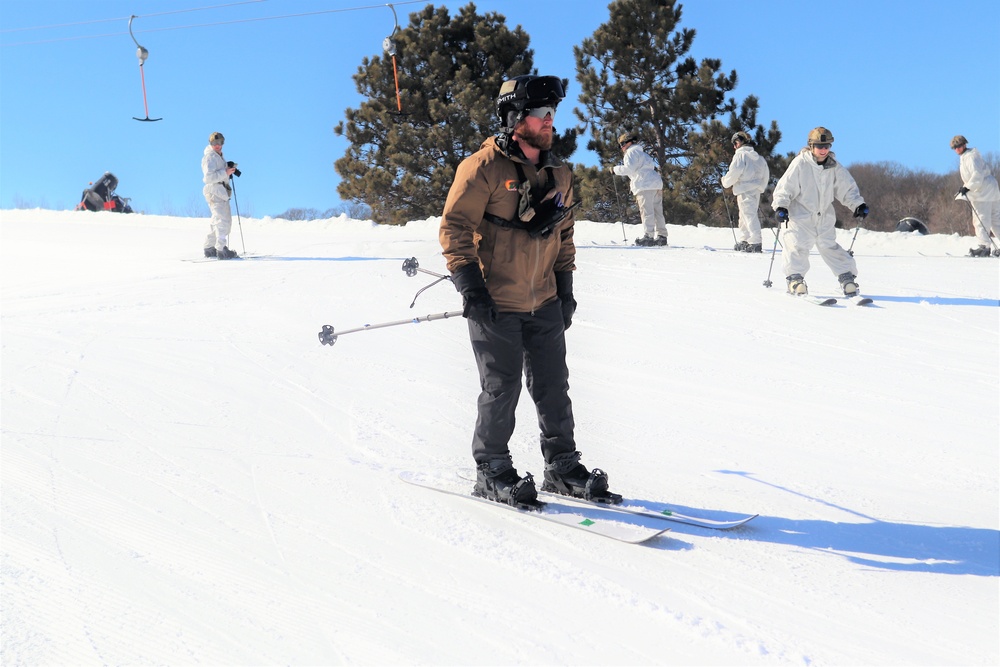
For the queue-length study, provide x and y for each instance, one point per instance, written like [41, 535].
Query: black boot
[981, 251]
[210, 252]
[498, 481]
[567, 476]
[226, 253]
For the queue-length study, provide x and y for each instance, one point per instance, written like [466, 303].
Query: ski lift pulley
[389, 46]
[141, 53]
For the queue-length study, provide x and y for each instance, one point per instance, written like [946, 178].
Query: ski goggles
[541, 112]
[544, 87]
[822, 147]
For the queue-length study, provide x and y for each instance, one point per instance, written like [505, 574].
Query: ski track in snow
[188, 476]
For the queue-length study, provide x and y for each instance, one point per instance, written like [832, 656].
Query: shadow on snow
[939, 300]
[885, 545]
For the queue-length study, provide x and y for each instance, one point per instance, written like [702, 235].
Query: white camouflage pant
[986, 216]
[221, 224]
[650, 204]
[748, 203]
[801, 236]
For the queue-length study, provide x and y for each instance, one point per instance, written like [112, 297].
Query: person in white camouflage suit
[215, 174]
[803, 199]
[747, 176]
[979, 188]
[647, 187]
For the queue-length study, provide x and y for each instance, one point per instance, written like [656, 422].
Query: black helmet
[526, 92]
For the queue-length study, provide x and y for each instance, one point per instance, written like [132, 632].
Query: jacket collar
[510, 148]
[829, 163]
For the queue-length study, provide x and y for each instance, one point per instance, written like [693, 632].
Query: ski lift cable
[208, 25]
[176, 11]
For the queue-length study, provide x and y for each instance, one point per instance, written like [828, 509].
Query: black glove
[477, 304]
[781, 213]
[564, 289]
[861, 211]
[964, 191]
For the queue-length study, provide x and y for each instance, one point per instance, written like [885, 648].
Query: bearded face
[535, 133]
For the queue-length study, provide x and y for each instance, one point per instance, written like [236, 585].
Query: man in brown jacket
[507, 235]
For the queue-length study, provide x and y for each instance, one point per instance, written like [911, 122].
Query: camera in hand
[233, 165]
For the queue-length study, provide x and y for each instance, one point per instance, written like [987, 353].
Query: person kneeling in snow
[803, 199]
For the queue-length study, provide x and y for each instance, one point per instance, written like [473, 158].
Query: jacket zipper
[535, 277]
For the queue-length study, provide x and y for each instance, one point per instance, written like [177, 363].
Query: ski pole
[621, 211]
[327, 336]
[238, 224]
[976, 213]
[774, 251]
[762, 217]
[850, 251]
[729, 214]
[411, 266]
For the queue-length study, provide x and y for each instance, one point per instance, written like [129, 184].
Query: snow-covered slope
[189, 477]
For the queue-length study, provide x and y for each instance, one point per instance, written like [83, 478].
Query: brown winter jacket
[519, 269]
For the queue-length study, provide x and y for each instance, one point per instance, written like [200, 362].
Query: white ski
[592, 519]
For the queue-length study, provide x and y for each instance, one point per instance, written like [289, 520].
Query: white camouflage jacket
[640, 169]
[213, 169]
[977, 177]
[807, 189]
[748, 172]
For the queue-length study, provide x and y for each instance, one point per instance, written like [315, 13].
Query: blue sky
[894, 81]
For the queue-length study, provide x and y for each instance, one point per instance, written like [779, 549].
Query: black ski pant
[535, 342]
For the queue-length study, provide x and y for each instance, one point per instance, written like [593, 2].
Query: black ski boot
[645, 240]
[660, 240]
[741, 246]
[567, 476]
[498, 481]
[210, 252]
[754, 247]
[226, 253]
[981, 251]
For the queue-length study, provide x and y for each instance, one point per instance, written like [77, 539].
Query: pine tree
[636, 77]
[401, 163]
